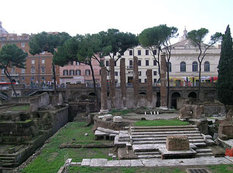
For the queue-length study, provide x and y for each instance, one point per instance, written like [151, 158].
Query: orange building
[38, 68]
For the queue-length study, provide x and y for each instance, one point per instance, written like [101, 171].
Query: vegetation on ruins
[158, 39]
[162, 122]
[10, 57]
[225, 72]
[197, 38]
[47, 42]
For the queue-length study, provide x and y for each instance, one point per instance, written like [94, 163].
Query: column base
[103, 111]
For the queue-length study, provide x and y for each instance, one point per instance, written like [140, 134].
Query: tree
[225, 70]
[113, 44]
[152, 39]
[47, 42]
[11, 56]
[167, 34]
[197, 39]
[81, 49]
[158, 38]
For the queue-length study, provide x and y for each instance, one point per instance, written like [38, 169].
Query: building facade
[184, 69]
[76, 72]
[145, 61]
[184, 66]
[38, 68]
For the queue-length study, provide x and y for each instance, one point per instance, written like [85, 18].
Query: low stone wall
[109, 124]
[39, 101]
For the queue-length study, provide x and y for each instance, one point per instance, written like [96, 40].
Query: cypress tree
[225, 70]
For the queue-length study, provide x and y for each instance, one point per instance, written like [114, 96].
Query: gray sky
[92, 16]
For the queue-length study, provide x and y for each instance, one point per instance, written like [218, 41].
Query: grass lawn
[125, 170]
[20, 108]
[52, 158]
[120, 112]
[173, 122]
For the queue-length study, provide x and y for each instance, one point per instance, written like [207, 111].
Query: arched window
[65, 72]
[207, 66]
[195, 66]
[71, 72]
[78, 72]
[182, 66]
[87, 72]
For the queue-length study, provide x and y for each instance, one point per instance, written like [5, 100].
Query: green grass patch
[221, 168]
[124, 170]
[20, 108]
[52, 157]
[172, 122]
[121, 112]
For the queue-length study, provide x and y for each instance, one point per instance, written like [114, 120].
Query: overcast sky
[92, 16]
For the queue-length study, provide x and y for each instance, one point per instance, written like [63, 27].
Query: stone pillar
[112, 83]
[123, 81]
[163, 80]
[104, 107]
[135, 79]
[149, 90]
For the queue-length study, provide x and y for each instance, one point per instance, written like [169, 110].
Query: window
[170, 67]
[139, 52]
[32, 78]
[139, 73]
[207, 66]
[42, 69]
[87, 72]
[22, 44]
[32, 69]
[107, 63]
[155, 63]
[65, 72]
[147, 62]
[145, 80]
[2, 71]
[131, 62]
[155, 73]
[100, 72]
[33, 61]
[154, 52]
[147, 52]
[42, 61]
[155, 80]
[194, 66]
[139, 80]
[115, 63]
[182, 66]
[130, 52]
[139, 62]
[71, 72]
[43, 78]
[116, 73]
[78, 72]
[3, 78]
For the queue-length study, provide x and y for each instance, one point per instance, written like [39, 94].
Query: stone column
[163, 80]
[123, 82]
[104, 107]
[112, 83]
[135, 79]
[149, 91]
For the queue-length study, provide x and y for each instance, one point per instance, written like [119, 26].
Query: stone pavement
[156, 162]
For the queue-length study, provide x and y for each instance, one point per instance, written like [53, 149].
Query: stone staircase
[146, 141]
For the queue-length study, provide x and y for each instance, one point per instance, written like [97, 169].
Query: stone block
[107, 117]
[177, 143]
[117, 119]
[225, 130]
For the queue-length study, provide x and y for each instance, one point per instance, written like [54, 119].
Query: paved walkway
[154, 162]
